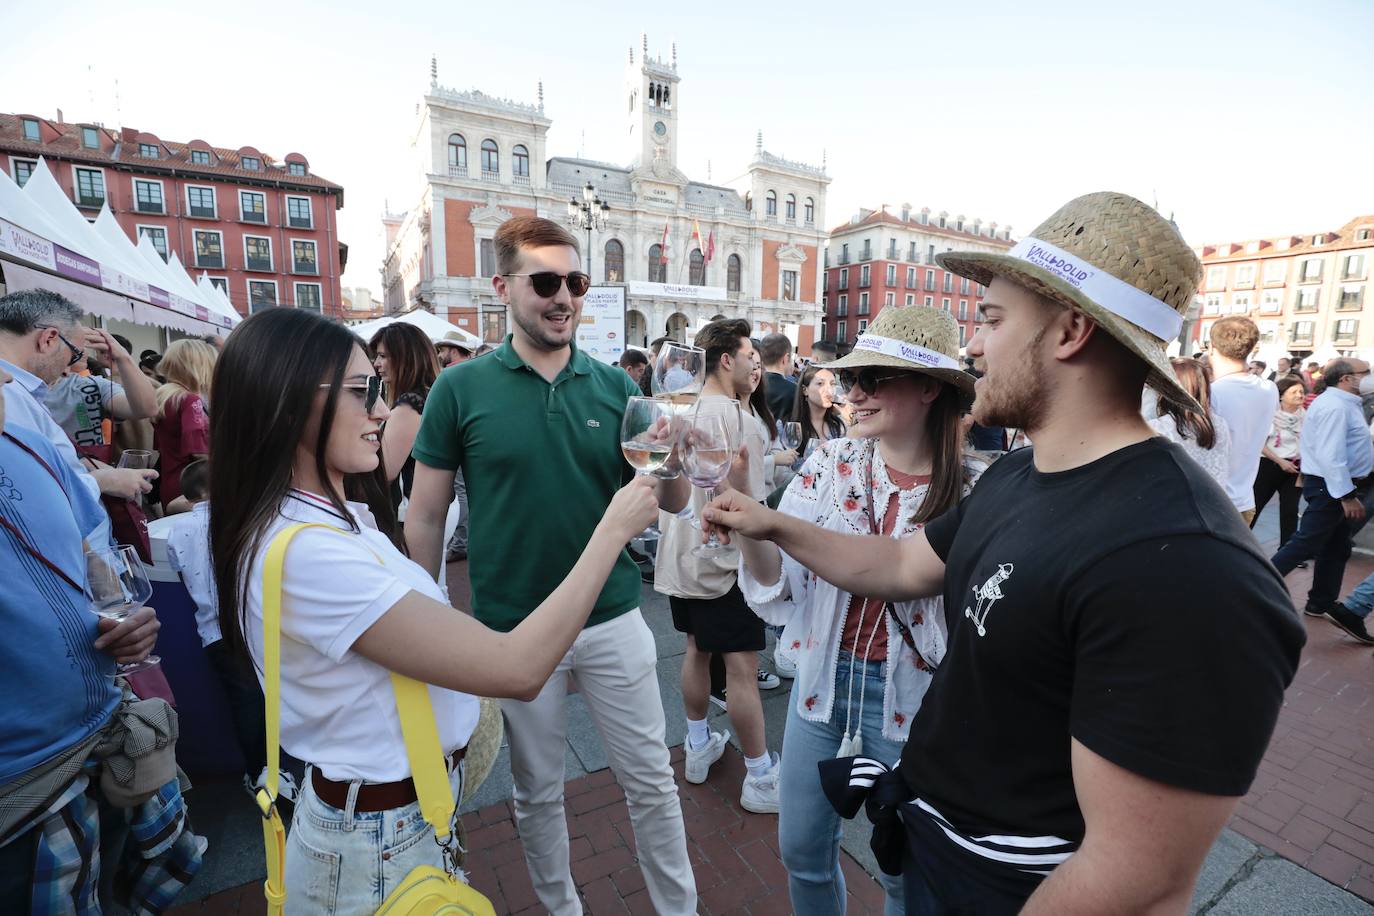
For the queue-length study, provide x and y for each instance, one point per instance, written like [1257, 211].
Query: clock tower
[651, 87]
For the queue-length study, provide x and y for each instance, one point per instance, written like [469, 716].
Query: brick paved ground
[1313, 801]
[734, 855]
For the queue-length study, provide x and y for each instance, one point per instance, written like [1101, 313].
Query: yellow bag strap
[418, 727]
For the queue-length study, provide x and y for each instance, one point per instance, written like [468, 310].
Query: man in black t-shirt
[1118, 645]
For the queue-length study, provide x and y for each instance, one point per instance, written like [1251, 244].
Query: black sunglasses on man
[546, 282]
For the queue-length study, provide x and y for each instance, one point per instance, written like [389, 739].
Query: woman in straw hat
[862, 666]
[1118, 644]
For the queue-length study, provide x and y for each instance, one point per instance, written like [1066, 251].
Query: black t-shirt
[1123, 603]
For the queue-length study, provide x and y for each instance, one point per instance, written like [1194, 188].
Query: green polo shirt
[541, 461]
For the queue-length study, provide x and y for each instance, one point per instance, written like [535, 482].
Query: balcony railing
[254, 216]
[841, 310]
[1352, 303]
[522, 181]
[1300, 340]
[95, 201]
[844, 259]
[490, 175]
[150, 206]
[215, 261]
[305, 267]
[201, 212]
[457, 171]
[263, 264]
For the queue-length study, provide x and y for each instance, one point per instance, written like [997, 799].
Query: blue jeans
[1361, 600]
[809, 830]
[1323, 535]
[341, 861]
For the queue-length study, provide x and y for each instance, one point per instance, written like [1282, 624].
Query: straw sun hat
[916, 338]
[1115, 259]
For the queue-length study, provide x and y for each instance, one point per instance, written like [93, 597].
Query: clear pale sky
[1242, 119]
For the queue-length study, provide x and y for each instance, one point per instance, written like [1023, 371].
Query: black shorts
[724, 624]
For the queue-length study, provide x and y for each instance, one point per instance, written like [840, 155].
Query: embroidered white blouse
[830, 492]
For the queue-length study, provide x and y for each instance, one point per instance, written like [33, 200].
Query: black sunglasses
[546, 282]
[866, 379]
[77, 352]
[373, 390]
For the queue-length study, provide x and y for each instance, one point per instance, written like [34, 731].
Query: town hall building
[754, 250]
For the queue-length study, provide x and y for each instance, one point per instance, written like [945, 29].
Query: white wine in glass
[679, 373]
[648, 433]
[116, 586]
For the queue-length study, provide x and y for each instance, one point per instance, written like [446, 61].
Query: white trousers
[614, 664]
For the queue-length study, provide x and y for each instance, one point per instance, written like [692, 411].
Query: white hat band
[905, 351]
[1113, 294]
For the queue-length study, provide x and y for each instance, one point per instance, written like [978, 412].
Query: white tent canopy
[109, 276]
[431, 324]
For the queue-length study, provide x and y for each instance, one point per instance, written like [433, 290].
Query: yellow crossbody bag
[426, 891]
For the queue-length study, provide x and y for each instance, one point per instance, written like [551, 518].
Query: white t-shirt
[1247, 403]
[338, 710]
[188, 552]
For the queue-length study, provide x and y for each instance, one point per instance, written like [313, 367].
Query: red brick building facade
[265, 231]
[880, 259]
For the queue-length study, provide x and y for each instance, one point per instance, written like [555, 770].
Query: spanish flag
[696, 234]
[663, 246]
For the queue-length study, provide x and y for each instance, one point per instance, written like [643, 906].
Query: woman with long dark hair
[862, 666]
[814, 408]
[297, 412]
[1204, 436]
[408, 365]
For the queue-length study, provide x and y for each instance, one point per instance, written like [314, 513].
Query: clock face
[660, 128]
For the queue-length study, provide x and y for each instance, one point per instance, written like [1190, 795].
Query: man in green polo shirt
[535, 429]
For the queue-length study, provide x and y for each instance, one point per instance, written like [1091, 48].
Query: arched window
[771, 204]
[615, 262]
[732, 272]
[658, 271]
[520, 161]
[791, 210]
[809, 214]
[696, 268]
[457, 152]
[491, 157]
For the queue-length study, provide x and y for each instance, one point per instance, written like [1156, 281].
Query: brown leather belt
[372, 796]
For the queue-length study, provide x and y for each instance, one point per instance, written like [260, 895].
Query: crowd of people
[1042, 709]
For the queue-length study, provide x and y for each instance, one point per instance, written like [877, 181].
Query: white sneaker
[699, 761]
[767, 680]
[784, 664]
[760, 793]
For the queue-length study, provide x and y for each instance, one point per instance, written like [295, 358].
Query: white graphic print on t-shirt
[988, 595]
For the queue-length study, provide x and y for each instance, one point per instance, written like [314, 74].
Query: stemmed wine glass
[679, 373]
[647, 436]
[709, 446]
[139, 459]
[117, 586]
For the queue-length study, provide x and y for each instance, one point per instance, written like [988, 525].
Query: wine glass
[679, 373]
[709, 446]
[647, 434]
[117, 586]
[791, 434]
[138, 459]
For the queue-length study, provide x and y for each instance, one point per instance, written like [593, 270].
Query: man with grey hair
[37, 328]
[1336, 458]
